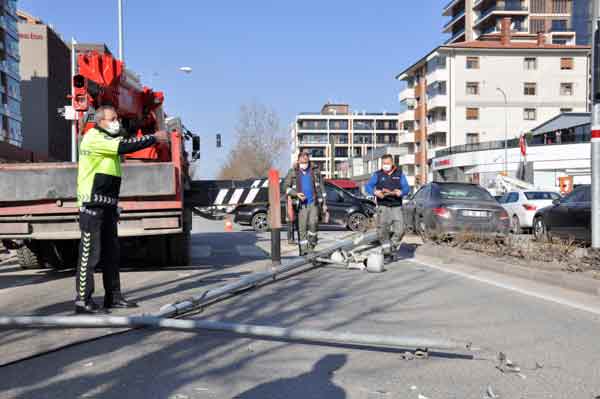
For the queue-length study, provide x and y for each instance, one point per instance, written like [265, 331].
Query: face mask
[386, 168]
[113, 128]
[303, 166]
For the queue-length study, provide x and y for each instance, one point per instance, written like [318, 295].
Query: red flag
[523, 145]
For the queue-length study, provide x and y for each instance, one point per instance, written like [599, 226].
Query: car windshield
[464, 192]
[541, 195]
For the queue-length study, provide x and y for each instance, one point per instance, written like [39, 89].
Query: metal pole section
[275, 211]
[246, 330]
[121, 49]
[74, 121]
[595, 139]
[505, 130]
[255, 279]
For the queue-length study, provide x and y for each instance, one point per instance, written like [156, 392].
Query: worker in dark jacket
[303, 184]
[389, 185]
[98, 186]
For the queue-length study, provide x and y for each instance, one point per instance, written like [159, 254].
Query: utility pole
[505, 130]
[596, 126]
[121, 49]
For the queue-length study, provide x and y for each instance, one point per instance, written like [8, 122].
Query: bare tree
[260, 144]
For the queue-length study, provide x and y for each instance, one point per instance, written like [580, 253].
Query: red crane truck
[38, 207]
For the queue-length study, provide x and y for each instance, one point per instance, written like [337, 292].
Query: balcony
[406, 94]
[507, 9]
[438, 75]
[406, 137]
[451, 4]
[438, 126]
[455, 19]
[456, 36]
[439, 101]
[408, 159]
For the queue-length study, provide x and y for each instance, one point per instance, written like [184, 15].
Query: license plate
[475, 214]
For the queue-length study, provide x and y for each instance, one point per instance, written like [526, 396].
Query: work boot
[118, 302]
[90, 307]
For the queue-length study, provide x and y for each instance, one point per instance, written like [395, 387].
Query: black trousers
[99, 245]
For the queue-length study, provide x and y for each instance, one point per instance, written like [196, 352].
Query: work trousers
[390, 227]
[99, 245]
[308, 224]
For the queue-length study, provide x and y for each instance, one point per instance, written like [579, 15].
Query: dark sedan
[344, 209]
[569, 217]
[446, 209]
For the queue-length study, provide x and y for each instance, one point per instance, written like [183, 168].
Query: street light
[505, 130]
[120, 12]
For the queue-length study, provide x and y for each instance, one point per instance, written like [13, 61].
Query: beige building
[337, 135]
[45, 84]
[479, 91]
[564, 21]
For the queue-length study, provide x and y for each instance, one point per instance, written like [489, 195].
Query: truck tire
[29, 257]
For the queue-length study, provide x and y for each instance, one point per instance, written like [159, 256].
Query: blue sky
[290, 55]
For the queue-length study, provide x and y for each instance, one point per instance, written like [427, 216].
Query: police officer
[98, 186]
[389, 185]
[304, 184]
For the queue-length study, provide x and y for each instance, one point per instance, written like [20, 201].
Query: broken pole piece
[246, 330]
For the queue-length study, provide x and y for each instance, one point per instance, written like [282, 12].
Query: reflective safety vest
[99, 171]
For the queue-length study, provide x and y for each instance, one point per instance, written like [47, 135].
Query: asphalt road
[555, 346]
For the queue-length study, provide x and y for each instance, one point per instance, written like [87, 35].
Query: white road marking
[538, 290]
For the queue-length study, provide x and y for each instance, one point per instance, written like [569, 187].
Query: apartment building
[10, 109]
[336, 135]
[564, 21]
[478, 91]
[45, 83]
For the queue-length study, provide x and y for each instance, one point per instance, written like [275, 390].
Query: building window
[529, 114]
[566, 89]
[472, 138]
[560, 7]
[338, 124]
[566, 63]
[566, 110]
[538, 6]
[530, 63]
[557, 40]
[559, 25]
[529, 89]
[537, 25]
[473, 88]
[472, 62]
[472, 114]
[363, 125]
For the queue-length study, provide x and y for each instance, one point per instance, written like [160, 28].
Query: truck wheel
[29, 257]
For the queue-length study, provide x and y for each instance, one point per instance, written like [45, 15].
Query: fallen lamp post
[246, 330]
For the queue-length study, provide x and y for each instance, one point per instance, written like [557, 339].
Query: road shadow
[316, 383]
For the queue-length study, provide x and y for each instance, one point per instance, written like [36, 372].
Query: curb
[448, 256]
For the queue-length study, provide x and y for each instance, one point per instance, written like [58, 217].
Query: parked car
[344, 209]
[522, 206]
[446, 209]
[348, 185]
[568, 218]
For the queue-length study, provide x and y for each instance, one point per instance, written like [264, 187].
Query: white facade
[549, 163]
[463, 100]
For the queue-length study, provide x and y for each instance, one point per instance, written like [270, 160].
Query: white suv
[522, 206]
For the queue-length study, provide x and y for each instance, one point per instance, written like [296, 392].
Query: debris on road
[506, 365]
[421, 396]
[490, 394]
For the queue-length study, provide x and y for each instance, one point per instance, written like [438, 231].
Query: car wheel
[540, 231]
[260, 222]
[515, 225]
[357, 222]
